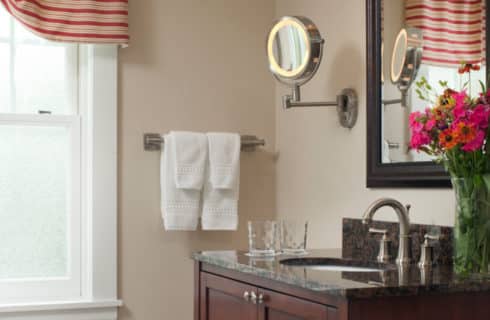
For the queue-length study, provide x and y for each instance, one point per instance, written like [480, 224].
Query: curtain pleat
[81, 21]
[454, 30]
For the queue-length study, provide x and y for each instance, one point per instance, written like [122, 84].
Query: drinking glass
[262, 238]
[293, 236]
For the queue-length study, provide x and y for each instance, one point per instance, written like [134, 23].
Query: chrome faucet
[402, 213]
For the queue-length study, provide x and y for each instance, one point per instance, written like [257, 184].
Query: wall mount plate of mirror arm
[294, 52]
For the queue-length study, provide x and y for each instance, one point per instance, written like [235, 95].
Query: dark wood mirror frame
[389, 175]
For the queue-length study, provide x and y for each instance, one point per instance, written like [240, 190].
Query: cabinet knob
[257, 299]
[261, 298]
[246, 296]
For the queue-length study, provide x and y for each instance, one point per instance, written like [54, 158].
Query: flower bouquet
[455, 131]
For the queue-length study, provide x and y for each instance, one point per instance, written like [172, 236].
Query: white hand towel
[221, 186]
[190, 151]
[180, 207]
[224, 159]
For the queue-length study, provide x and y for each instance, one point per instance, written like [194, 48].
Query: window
[55, 98]
[40, 166]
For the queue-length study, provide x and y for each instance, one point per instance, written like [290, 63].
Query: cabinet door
[276, 306]
[225, 299]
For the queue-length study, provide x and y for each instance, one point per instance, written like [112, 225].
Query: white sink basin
[332, 264]
[342, 268]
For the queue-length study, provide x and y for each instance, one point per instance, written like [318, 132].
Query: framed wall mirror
[407, 41]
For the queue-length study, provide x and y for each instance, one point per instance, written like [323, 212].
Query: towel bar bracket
[154, 142]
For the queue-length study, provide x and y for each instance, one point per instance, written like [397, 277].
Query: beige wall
[181, 73]
[192, 65]
[321, 168]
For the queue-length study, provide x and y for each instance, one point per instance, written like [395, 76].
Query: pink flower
[417, 127]
[414, 117]
[415, 124]
[460, 98]
[419, 139]
[430, 124]
[476, 143]
[459, 112]
[479, 116]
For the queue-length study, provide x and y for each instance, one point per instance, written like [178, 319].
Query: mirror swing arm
[294, 50]
[346, 103]
[388, 102]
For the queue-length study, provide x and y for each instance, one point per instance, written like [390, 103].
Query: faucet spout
[404, 221]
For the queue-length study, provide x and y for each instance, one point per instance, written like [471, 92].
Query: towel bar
[154, 142]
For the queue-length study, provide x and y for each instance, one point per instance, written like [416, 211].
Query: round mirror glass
[289, 48]
[398, 58]
[294, 48]
[406, 57]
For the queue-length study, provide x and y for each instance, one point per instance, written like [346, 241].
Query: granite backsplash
[358, 243]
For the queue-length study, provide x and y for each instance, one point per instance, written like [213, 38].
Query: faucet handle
[428, 237]
[427, 251]
[408, 207]
[384, 245]
[384, 232]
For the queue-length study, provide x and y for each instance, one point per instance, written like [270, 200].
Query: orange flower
[447, 139]
[464, 132]
[447, 98]
[439, 113]
[467, 67]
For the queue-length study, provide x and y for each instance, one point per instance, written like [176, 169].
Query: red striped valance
[89, 21]
[454, 30]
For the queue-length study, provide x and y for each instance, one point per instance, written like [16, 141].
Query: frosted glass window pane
[4, 23]
[22, 34]
[4, 77]
[34, 201]
[42, 79]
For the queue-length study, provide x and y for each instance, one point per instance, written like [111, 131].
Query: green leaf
[443, 83]
[486, 179]
[483, 87]
[477, 180]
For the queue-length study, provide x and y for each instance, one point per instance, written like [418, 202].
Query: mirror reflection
[405, 61]
[425, 44]
[289, 48]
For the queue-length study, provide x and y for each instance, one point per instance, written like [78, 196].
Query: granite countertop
[390, 282]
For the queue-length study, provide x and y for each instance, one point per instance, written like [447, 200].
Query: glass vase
[472, 226]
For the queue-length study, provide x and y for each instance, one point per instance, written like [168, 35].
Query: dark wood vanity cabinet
[223, 298]
[219, 297]
[224, 294]
[277, 306]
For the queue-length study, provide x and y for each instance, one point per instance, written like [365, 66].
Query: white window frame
[98, 296]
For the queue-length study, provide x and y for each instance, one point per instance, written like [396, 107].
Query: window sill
[63, 310]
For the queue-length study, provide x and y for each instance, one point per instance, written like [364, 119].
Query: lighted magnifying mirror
[406, 59]
[294, 51]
